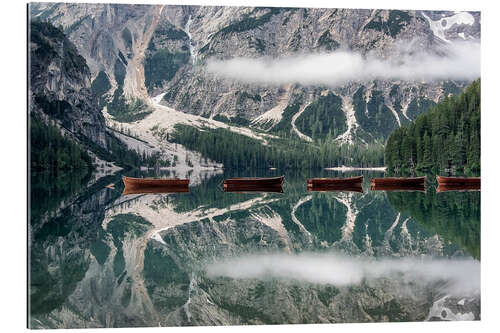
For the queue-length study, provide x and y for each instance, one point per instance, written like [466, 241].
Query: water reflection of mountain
[112, 261]
[61, 242]
[455, 216]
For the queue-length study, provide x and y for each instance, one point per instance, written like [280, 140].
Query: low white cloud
[460, 276]
[459, 61]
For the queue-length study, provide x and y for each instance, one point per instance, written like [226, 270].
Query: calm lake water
[100, 259]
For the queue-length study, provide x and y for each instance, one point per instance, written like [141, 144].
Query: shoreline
[345, 169]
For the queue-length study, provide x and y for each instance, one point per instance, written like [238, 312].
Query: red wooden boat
[336, 188]
[253, 188]
[154, 189]
[398, 181]
[458, 180]
[334, 181]
[398, 187]
[153, 182]
[272, 181]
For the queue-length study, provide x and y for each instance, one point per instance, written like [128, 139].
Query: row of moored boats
[274, 184]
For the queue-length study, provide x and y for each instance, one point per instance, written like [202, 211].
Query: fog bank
[457, 61]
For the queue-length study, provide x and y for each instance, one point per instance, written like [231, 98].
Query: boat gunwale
[260, 181]
[131, 182]
[133, 179]
[398, 180]
[255, 178]
[336, 180]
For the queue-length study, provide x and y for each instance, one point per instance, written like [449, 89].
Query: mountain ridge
[144, 58]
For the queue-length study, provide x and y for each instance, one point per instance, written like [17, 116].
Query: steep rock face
[111, 37]
[59, 84]
[165, 49]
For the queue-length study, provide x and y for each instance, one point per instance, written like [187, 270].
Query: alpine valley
[208, 93]
[154, 70]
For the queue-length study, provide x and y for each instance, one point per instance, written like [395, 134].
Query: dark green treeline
[237, 151]
[50, 150]
[448, 135]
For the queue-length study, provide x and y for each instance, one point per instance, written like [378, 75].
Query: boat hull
[253, 188]
[154, 182]
[336, 188]
[273, 181]
[334, 181]
[452, 181]
[154, 189]
[398, 181]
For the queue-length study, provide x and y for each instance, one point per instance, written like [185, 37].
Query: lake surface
[100, 259]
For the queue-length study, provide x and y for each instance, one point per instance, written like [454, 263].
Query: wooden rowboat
[154, 182]
[272, 181]
[398, 181]
[458, 180]
[334, 181]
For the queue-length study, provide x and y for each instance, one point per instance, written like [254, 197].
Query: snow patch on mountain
[192, 286]
[270, 118]
[439, 27]
[404, 106]
[352, 125]
[440, 311]
[166, 118]
[297, 115]
[192, 51]
[389, 105]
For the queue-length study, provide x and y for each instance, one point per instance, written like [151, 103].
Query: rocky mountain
[62, 94]
[59, 85]
[140, 52]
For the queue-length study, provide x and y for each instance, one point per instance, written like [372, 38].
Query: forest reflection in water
[99, 256]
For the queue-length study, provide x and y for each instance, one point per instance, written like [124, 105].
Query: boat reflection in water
[458, 184]
[395, 187]
[459, 188]
[155, 189]
[398, 181]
